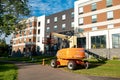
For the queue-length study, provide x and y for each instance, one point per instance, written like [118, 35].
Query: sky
[48, 7]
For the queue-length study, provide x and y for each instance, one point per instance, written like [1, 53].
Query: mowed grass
[34, 59]
[110, 68]
[8, 71]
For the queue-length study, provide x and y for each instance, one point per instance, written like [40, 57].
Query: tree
[3, 48]
[11, 12]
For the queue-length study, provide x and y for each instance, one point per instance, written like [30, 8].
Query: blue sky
[47, 7]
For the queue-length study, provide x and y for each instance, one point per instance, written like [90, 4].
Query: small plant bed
[8, 71]
[110, 68]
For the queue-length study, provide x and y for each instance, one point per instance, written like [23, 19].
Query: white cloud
[40, 7]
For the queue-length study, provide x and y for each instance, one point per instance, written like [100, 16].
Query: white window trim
[63, 26]
[109, 14]
[80, 9]
[81, 21]
[55, 27]
[55, 19]
[48, 21]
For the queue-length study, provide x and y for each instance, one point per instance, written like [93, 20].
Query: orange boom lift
[70, 57]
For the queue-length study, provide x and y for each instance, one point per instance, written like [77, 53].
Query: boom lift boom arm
[71, 39]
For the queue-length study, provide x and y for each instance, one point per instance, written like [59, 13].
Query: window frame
[116, 43]
[94, 6]
[55, 19]
[94, 18]
[48, 29]
[63, 26]
[39, 23]
[110, 15]
[48, 21]
[109, 3]
[38, 31]
[63, 16]
[81, 21]
[80, 10]
[98, 42]
[55, 27]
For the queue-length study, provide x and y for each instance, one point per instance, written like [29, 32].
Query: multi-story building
[99, 21]
[39, 28]
[25, 39]
[40, 33]
[62, 22]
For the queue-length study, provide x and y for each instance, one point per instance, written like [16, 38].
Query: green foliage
[3, 48]
[8, 71]
[36, 59]
[11, 12]
[110, 68]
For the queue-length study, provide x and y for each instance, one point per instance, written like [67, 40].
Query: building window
[109, 15]
[39, 24]
[94, 28]
[72, 24]
[98, 41]
[94, 18]
[80, 10]
[30, 40]
[116, 40]
[94, 6]
[72, 14]
[63, 17]
[108, 3]
[48, 21]
[55, 27]
[48, 29]
[30, 24]
[55, 19]
[80, 21]
[38, 39]
[63, 26]
[110, 26]
[38, 31]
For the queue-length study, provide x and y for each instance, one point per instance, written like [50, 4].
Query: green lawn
[34, 59]
[8, 71]
[110, 68]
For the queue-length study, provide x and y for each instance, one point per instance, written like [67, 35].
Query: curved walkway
[28, 71]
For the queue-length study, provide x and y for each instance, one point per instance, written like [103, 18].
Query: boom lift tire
[54, 63]
[72, 65]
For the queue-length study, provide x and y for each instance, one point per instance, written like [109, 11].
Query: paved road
[40, 72]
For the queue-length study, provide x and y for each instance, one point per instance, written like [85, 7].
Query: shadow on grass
[5, 66]
[92, 64]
